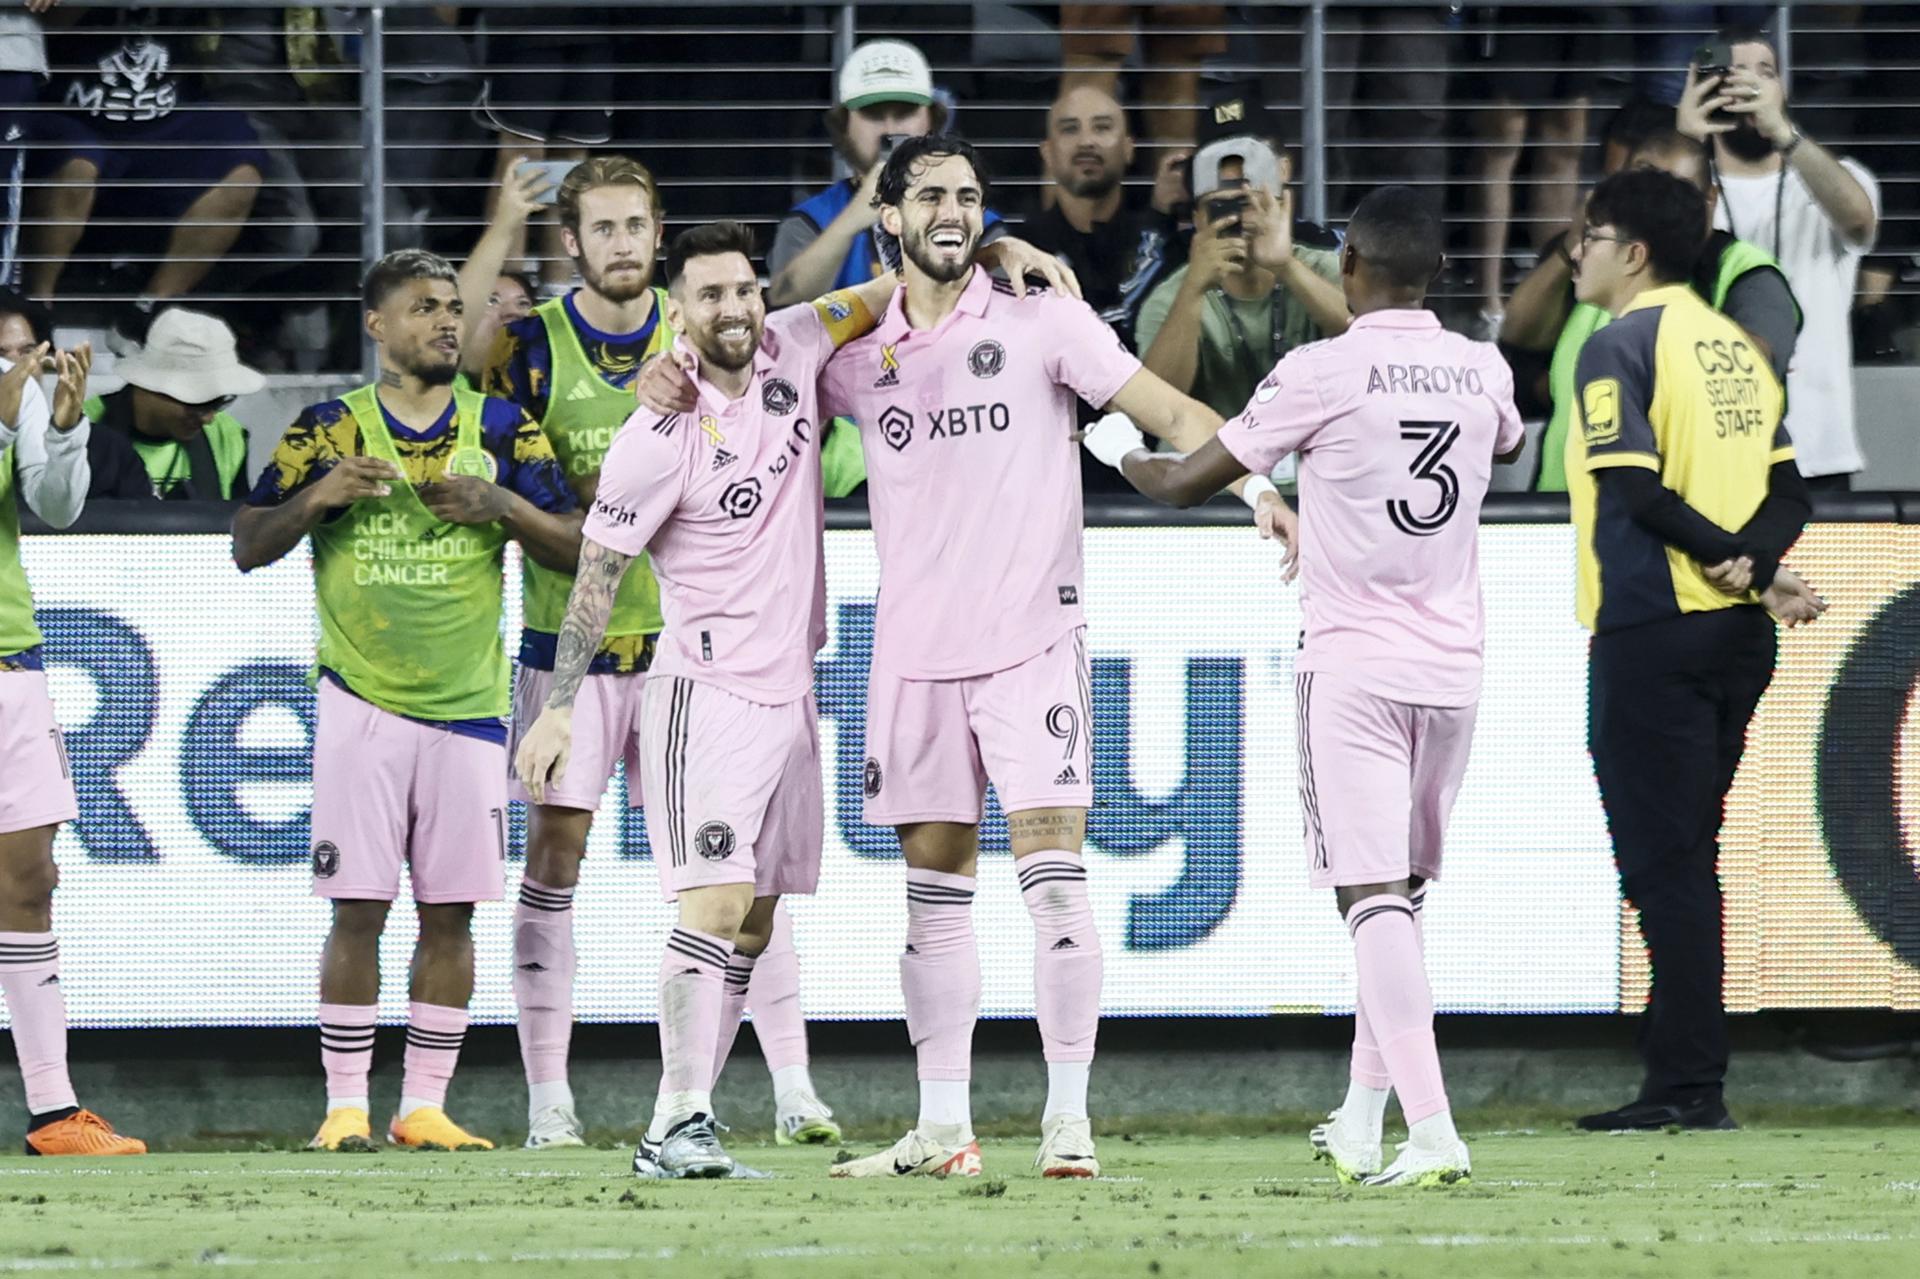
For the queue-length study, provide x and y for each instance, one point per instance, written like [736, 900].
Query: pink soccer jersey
[726, 498]
[973, 473]
[1397, 423]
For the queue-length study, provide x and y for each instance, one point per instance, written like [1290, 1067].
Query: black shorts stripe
[677, 716]
[1083, 671]
[1309, 795]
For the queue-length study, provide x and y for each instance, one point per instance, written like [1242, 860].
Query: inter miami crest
[742, 498]
[896, 427]
[326, 860]
[873, 779]
[987, 359]
[714, 841]
[778, 397]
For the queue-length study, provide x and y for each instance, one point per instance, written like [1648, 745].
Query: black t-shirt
[111, 69]
[1117, 262]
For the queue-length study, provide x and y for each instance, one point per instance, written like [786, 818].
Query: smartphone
[1221, 207]
[888, 141]
[556, 172]
[1715, 61]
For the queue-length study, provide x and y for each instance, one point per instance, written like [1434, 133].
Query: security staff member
[1685, 496]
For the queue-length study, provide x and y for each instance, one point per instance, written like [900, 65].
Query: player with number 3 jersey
[1397, 423]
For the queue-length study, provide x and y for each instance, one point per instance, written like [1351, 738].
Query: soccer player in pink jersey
[965, 395]
[1397, 423]
[726, 498]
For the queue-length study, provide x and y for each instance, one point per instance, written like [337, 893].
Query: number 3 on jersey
[1435, 439]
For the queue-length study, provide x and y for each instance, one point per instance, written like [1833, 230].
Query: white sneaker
[554, 1128]
[802, 1119]
[1418, 1166]
[1066, 1148]
[914, 1156]
[1354, 1154]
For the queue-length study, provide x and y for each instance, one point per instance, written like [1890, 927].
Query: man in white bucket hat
[167, 433]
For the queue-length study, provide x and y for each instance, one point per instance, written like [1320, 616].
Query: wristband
[1255, 489]
[1788, 150]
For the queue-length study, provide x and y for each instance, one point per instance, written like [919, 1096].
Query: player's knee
[27, 883]
[446, 925]
[359, 922]
[1350, 895]
[718, 911]
[756, 930]
[555, 848]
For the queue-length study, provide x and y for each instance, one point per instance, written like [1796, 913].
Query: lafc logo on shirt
[889, 368]
[1600, 412]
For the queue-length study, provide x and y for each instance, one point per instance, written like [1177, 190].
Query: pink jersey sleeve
[1086, 355]
[1512, 432]
[1283, 415]
[641, 482]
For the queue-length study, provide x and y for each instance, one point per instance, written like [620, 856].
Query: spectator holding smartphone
[826, 242]
[1256, 284]
[1815, 213]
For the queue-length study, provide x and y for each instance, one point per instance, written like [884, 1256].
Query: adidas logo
[580, 391]
[1065, 943]
[722, 458]
[911, 950]
[1067, 777]
[533, 966]
[890, 378]
[52, 979]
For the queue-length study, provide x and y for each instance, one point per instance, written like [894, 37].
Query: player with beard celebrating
[571, 366]
[410, 490]
[966, 395]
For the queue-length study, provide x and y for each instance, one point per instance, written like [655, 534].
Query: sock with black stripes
[1398, 1000]
[434, 1036]
[692, 972]
[30, 980]
[940, 980]
[733, 1004]
[346, 1053]
[543, 966]
[1067, 968]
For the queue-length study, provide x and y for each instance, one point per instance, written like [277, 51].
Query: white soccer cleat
[1418, 1166]
[554, 1128]
[804, 1120]
[1355, 1155]
[914, 1156]
[1066, 1148]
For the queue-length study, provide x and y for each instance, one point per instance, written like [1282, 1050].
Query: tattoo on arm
[594, 584]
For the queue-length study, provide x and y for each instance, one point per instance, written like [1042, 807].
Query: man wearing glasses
[167, 434]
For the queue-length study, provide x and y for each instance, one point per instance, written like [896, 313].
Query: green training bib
[410, 607]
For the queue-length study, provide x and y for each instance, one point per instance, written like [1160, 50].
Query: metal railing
[376, 144]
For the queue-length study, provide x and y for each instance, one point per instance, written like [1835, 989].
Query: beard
[731, 356]
[919, 249]
[1088, 186]
[434, 369]
[624, 289]
[1747, 143]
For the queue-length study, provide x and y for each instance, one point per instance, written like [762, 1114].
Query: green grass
[1759, 1203]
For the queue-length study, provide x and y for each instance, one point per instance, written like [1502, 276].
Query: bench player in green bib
[571, 366]
[410, 490]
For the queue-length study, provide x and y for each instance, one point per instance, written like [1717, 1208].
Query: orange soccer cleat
[82, 1133]
[428, 1128]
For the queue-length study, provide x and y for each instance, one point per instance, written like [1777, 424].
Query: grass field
[1812, 1202]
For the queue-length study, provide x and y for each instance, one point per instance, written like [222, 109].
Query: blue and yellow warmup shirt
[1679, 389]
[520, 366]
[327, 432]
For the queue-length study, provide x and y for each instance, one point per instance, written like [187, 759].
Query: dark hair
[1398, 231]
[39, 319]
[1663, 212]
[524, 280]
[1746, 34]
[400, 266]
[1635, 123]
[898, 175]
[708, 240]
[1668, 140]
